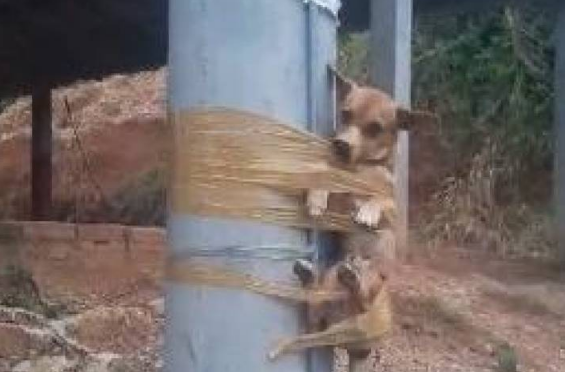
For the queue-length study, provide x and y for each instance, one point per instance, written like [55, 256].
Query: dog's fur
[365, 144]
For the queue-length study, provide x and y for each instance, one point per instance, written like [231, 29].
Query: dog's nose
[342, 149]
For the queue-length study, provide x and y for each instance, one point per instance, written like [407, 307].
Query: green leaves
[489, 75]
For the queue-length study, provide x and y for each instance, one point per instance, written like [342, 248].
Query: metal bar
[41, 153]
[560, 130]
[391, 31]
[244, 54]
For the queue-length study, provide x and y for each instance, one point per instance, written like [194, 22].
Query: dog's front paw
[368, 215]
[317, 202]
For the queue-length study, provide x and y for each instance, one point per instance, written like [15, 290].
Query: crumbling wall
[77, 264]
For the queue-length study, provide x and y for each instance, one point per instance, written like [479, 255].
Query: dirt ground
[454, 311]
[460, 312]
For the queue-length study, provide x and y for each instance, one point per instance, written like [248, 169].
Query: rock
[490, 350]
[99, 363]
[46, 364]
[82, 343]
[4, 366]
[92, 363]
[158, 306]
[19, 342]
[21, 316]
[113, 329]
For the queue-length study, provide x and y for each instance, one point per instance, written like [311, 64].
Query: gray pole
[252, 55]
[391, 42]
[560, 129]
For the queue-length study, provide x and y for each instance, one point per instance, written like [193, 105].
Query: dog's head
[369, 123]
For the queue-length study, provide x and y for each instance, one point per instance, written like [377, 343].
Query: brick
[49, 231]
[11, 243]
[101, 233]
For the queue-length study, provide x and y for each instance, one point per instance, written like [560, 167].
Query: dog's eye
[372, 130]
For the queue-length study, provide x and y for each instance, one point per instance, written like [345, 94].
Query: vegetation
[489, 76]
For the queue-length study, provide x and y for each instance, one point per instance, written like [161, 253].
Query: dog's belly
[367, 244]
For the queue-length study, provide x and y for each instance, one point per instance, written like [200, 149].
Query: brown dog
[365, 144]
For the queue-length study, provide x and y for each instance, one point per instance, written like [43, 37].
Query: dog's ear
[344, 85]
[411, 119]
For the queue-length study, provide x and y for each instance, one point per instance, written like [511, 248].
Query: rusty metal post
[560, 134]
[41, 153]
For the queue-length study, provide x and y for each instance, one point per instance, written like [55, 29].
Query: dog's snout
[342, 149]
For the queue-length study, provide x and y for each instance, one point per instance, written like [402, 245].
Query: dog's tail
[338, 334]
[363, 328]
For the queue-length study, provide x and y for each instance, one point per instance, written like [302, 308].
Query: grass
[142, 202]
[18, 289]
[507, 359]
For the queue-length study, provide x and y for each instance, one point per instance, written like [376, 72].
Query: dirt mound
[120, 125]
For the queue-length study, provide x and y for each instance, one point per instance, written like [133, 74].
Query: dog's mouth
[344, 153]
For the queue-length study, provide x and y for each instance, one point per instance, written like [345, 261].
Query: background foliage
[489, 76]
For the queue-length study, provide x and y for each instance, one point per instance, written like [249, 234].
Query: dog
[356, 321]
[365, 144]
[370, 121]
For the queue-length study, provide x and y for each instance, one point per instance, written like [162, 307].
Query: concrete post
[391, 38]
[41, 153]
[251, 55]
[560, 131]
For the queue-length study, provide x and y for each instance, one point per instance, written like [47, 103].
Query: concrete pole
[41, 153]
[560, 130]
[391, 41]
[251, 55]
